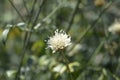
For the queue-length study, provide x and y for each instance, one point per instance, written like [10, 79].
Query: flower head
[115, 28]
[59, 41]
[99, 3]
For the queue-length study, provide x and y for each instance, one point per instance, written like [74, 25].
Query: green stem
[51, 14]
[25, 5]
[27, 39]
[31, 12]
[72, 16]
[67, 65]
[92, 25]
[97, 50]
[16, 10]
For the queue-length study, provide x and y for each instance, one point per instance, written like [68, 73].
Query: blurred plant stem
[72, 16]
[97, 50]
[16, 10]
[93, 24]
[28, 23]
[25, 5]
[28, 36]
[52, 13]
[66, 61]
[90, 60]
[31, 12]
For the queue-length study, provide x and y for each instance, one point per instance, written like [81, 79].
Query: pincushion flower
[59, 41]
[114, 28]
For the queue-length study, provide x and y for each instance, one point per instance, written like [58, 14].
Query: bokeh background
[93, 55]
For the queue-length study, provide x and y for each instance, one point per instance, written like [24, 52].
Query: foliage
[27, 24]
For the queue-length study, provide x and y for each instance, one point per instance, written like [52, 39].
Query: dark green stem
[31, 12]
[25, 5]
[72, 16]
[93, 24]
[66, 61]
[16, 10]
[27, 38]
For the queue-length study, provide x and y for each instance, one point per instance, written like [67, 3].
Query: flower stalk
[66, 61]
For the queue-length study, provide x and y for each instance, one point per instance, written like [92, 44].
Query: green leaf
[59, 68]
[10, 73]
[22, 26]
[5, 33]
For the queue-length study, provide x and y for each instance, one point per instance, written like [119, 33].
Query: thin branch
[20, 65]
[93, 24]
[31, 12]
[38, 13]
[67, 65]
[84, 67]
[27, 41]
[25, 5]
[97, 50]
[51, 13]
[16, 10]
[28, 23]
[35, 20]
[72, 16]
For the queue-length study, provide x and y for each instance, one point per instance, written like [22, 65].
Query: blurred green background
[94, 55]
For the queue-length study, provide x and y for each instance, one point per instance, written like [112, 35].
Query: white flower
[114, 28]
[59, 41]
